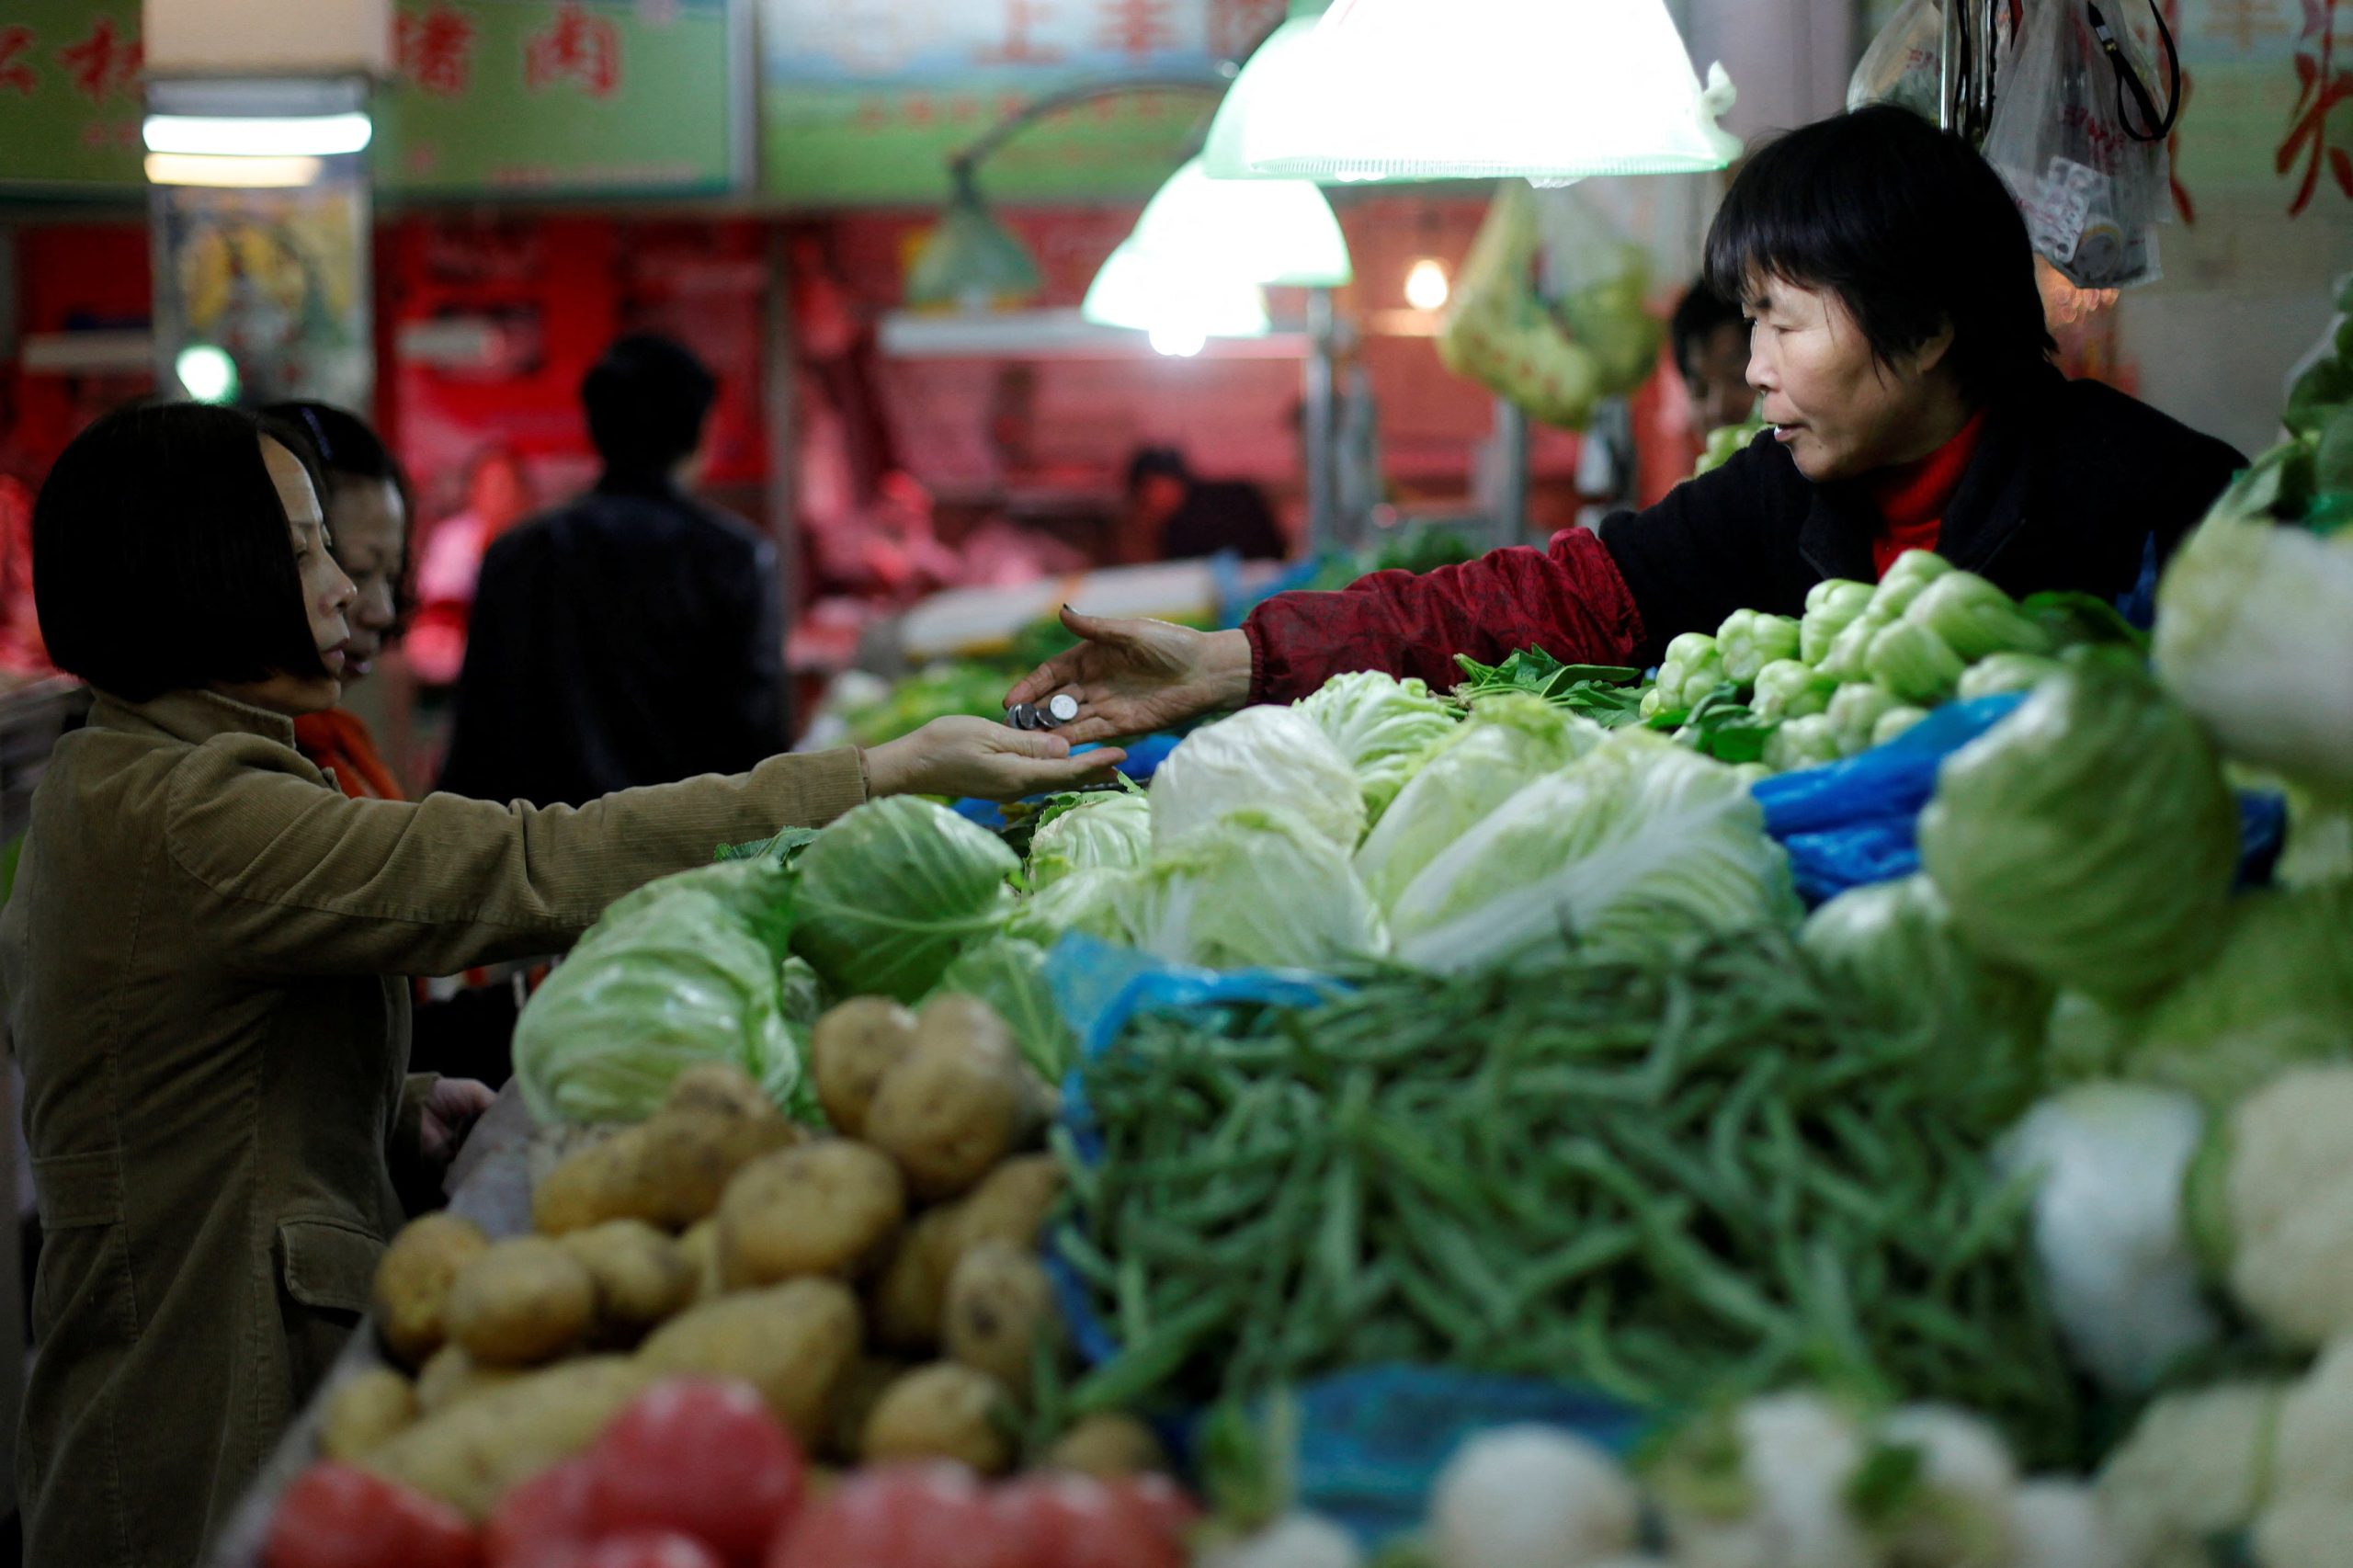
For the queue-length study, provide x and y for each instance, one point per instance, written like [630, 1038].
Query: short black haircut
[646, 400]
[340, 445]
[1906, 224]
[1156, 462]
[1700, 316]
[162, 558]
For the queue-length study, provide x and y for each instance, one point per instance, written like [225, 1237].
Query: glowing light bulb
[1178, 340]
[208, 373]
[1426, 288]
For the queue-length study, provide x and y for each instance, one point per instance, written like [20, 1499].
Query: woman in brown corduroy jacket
[202, 957]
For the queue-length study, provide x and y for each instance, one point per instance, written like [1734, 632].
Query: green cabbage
[1097, 829]
[1384, 727]
[2088, 838]
[673, 980]
[1009, 974]
[1099, 903]
[1258, 887]
[759, 893]
[1643, 844]
[2278, 992]
[892, 892]
[1260, 756]
[1509, 741]
[1891, 946]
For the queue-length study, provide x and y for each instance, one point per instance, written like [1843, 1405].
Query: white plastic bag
[1905, 64]
[2092, 190]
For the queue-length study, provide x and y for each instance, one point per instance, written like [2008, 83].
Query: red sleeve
[1568, 600]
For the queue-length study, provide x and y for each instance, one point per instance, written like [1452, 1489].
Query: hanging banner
[70, 94]
[865, 101]
[606, 97]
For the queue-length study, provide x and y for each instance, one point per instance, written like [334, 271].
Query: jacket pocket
[326, 1271]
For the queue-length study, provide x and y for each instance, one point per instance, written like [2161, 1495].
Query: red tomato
[900, 1517]
[701, 1457]
[651, 1549]
[338, 1516]
[1076, 1521]
[543, 1523]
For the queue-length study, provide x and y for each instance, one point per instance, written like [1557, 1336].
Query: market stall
[1867, 1092]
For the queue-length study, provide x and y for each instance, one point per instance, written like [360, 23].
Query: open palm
[1132, 677]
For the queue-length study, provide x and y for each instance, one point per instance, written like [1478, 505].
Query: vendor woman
[1897, 341]
[201, 958]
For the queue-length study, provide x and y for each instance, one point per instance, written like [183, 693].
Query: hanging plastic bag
[1599, 280]
[1499, 334]
[1905, 65]
[2080, 139]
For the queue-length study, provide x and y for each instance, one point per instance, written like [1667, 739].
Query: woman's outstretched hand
[979, 756]
[1132, 677]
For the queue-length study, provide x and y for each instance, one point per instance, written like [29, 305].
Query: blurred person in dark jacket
[1188, 518]
[634, 636]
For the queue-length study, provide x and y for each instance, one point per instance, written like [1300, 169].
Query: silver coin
[1062, 708]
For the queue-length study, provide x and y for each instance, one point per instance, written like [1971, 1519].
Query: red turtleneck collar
[1912, 498]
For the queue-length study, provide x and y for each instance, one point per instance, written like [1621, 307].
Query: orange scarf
[336, 740]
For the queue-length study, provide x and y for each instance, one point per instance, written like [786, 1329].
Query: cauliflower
[1295, 1540]
[2060, 1524]
[1767, 1488]
[2195, 1466]
[2287, 1204]
[1531, 1497]
[2309, 1519]
[1955, 1510]
[2108, 1225]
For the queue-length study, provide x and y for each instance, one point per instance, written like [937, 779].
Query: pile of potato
[880, 1287]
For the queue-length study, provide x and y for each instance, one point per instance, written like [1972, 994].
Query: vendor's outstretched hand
[979, 757]
[1132, 677]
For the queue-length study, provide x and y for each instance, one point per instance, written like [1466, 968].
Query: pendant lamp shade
[1277, 231]
[970, 261]
[1147, 293]
[1548, 90]
[1268, 79]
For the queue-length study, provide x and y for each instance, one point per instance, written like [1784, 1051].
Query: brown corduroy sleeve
[296, 878]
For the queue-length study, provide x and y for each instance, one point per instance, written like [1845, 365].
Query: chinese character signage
[69, 93]
[864, 101]
[575, 95]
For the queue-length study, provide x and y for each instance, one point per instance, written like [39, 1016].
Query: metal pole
[781, 394]
[1511, 472]
[1953, 113]
[1317, 428]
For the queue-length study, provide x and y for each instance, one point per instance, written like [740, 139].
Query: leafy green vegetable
[1693, 666]
[1895, 722]
[1722, 726]
[1913, 662]
[1855, 712]
[1810, 742]
[1790, 688]
[1603, 693]
[673, 980]
[1257, 756]
[1831, 605]
[1640, 844]
[757, 892]
[1099, 902]
[1908, 576]
[2087, 837]
[892, 892]
[1749, 640]
[1009, 974]
[2005, 672]
[1974, 618]
[1383, 726]
[1103, 828]
[1723, 444]
[1259, 886]
[2073, 619]
[1509, 741]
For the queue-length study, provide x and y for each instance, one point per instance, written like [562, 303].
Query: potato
[365, 1411]
[1000, 1304]
[525, 1300]
[641, 1276]
[668, 1171]
[943, 1411]
[720, 1089]
[854, 1402]
[413, 1282]
[1108, 1446]
[700, 1247]
[795, 1343]
[470, 1454]
[850, 1049]
[831, 1207]
[910, 1298]
[957, 1106]
[1011, 1205]
[453, 1377]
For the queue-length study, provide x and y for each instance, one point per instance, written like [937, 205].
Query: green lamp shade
[970, 261]
[1268, 79]
[1147, 293]
[1279, 231]
[1547, 90]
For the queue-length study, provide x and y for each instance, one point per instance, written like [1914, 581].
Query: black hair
[342, 445]
[1701, 314]
[1156, 462]
[646, 400]
[1906, 224]
[161, 554]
